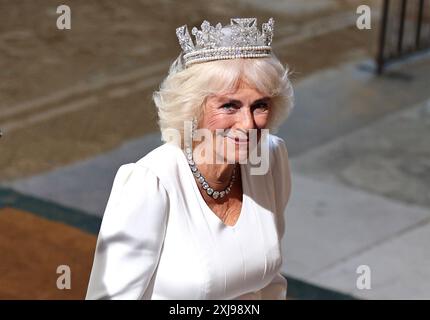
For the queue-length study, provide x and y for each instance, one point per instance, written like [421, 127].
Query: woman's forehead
[239, 95]
[239, 98]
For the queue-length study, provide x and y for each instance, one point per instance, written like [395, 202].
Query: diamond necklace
[205, 185]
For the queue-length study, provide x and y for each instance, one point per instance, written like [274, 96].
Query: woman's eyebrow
[264, 99]
[224, 99]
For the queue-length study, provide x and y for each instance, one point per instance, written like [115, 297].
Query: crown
[240, 39]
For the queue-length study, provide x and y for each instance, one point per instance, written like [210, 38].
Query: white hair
[183, 92]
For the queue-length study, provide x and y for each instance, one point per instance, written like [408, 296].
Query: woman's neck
[217, 173]
[218, 176]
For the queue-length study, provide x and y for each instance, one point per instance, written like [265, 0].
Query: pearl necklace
[205, 185]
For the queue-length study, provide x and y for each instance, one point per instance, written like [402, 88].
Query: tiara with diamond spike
[240, 39]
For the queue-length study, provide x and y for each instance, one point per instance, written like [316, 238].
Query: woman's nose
[246, 119]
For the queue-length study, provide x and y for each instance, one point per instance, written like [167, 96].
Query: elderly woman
[180, 225]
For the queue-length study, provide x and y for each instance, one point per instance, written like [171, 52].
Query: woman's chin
[240, 155]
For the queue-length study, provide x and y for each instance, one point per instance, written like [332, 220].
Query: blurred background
[76, 104]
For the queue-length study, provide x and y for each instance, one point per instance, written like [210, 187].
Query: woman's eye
[228, 106]
[262, 106]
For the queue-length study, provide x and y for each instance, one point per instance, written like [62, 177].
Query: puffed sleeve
[281, 174]
[277, 288]
[131, 235]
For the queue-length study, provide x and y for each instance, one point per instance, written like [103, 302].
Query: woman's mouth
[239, 141]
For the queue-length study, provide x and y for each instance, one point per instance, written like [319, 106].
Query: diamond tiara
[240, 39]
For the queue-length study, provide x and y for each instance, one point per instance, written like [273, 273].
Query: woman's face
[237, 113]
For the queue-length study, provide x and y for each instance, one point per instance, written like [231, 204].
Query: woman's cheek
[216, 121]
[222, 121]
[262, 120]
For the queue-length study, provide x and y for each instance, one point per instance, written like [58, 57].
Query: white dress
[160, 240]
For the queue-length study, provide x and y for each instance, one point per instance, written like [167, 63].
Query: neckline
[212, 215]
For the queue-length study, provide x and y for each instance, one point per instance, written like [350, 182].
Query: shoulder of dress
[164, 161]
[278, 149]
[275, 141]
[160, 158]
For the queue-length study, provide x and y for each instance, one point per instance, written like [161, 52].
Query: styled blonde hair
[182, 94]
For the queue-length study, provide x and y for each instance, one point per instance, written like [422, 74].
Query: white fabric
[160, 240]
